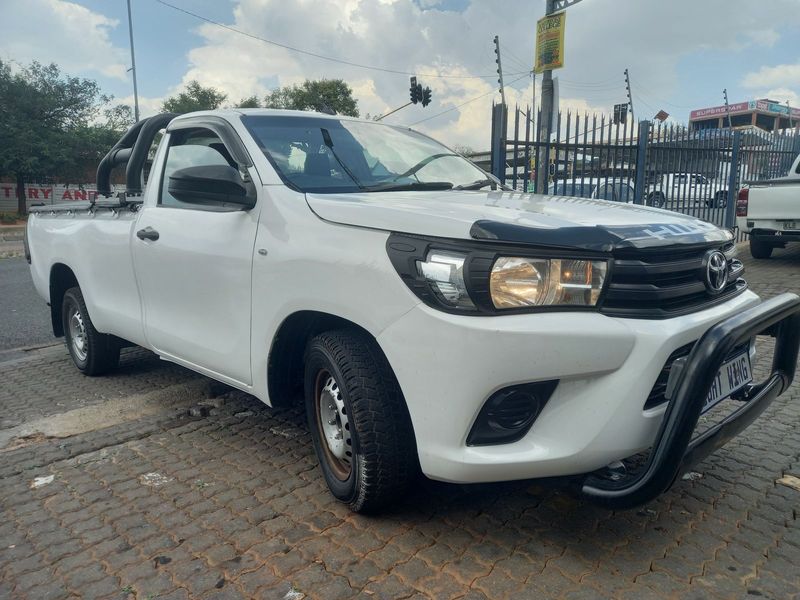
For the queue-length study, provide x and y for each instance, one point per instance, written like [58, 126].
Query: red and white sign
[718, 111]
[762, 105]
[45, 194]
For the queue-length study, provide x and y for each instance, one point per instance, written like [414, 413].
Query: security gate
[663, 165]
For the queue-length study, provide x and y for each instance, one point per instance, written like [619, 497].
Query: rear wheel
[358, 420]
[93, 353]
[759, 249]
[721, 199]
[656, 199]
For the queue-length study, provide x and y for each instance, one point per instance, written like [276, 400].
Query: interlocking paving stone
[226, 505]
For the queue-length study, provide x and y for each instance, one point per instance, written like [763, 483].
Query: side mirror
[217, 184]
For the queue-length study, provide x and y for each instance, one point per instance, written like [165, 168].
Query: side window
[191, 148]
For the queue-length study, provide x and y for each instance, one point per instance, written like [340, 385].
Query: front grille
[659, 283]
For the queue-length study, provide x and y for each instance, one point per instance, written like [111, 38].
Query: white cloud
[402, 35]
[783, 95]
[651, 38]
[66, 33]
[780, 83]
[779, 75]
[147, 106]
[763, 37]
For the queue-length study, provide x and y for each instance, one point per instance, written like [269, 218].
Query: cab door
[193, 265]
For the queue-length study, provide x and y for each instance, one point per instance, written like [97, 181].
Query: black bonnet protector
[602, 238]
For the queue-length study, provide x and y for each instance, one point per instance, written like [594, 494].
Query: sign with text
[55, 193]
[550, 42]
[762, 105]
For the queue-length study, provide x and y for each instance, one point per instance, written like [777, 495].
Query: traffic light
[426, 96]
[415, 91]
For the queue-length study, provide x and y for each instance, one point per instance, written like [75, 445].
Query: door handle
[148, 233]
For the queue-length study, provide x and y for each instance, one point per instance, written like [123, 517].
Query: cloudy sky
[680, 53]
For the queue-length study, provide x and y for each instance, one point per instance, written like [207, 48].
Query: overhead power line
[316, 55]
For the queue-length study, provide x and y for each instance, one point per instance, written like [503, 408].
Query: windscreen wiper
[395, 186]
[476, 185]
[326, 137]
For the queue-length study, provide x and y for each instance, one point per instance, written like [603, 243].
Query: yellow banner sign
[550, 42]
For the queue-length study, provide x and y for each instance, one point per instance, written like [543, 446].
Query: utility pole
[789, 114]
[133, 66]
[546, 116]
[630, 96]
[727, 107]
[499, 69]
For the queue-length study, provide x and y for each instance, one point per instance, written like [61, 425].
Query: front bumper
[674, 449]
[448, 365]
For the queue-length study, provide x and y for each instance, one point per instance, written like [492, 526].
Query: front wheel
[359, 422]
[720, 200]
[93, 353]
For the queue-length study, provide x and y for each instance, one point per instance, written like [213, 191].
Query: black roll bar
[118, 155]
[131, 150]
[138, 156]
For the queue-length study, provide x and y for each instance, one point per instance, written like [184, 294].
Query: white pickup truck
[428, 319]
[769, 212]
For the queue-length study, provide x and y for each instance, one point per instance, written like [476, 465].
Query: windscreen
[322, 155]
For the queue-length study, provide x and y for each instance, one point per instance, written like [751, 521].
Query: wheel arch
[285, 359]
[62, 277]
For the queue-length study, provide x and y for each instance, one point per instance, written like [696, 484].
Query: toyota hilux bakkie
[430, 319]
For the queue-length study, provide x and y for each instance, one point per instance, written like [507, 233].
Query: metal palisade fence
[658, 164]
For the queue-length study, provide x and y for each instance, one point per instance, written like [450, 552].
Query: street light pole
[133, 66]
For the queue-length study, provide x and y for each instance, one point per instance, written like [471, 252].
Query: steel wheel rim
[77, 333]
[333, 425]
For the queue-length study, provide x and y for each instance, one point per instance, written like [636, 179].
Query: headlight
[517, 282]
[478, 278]
[444, 271]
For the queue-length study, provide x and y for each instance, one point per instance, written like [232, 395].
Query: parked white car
[600, 188]
[427, 319]
[769, 212]
[688, 188]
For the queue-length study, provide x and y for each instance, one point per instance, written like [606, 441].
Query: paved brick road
[225, 501]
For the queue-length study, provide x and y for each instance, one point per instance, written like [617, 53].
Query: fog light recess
[508, 414]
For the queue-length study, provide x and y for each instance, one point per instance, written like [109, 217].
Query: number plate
[733, 375]
[790, 224]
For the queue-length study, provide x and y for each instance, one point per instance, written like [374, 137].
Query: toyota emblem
[716, 272]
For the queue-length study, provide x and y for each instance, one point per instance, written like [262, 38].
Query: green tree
[318, 95]
[91, 141]
[251, 102]
[42, 111]
[194, 97]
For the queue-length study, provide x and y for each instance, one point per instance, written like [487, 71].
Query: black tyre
[721, 199]
[759, 249]
[656, 200]
[359, 421]
[94, 353]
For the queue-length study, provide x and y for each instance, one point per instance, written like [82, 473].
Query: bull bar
[674, 449]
